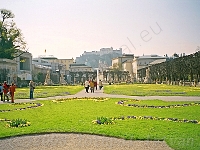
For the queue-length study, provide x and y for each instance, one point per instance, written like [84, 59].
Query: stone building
[118, 61]
[141, 62]
[81, 72]
[24, 66]
[65, 64]
[8, 70]
[18, 68]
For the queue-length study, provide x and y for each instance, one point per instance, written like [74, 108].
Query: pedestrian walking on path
[32, 87]
[95, 84]
[92, 86]
[1, 91]
[12, 92]
[100, 84]
[87, 85]
[5, 91]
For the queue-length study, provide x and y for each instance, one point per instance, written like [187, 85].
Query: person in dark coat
[1, 91]
[5, 91]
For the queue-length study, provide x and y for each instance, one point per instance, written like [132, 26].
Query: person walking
[5, 91]
[12, 92]
[95, 84]
[1, 91]
[92, 86]
[32, 87]
[100, 84]
[87, 86]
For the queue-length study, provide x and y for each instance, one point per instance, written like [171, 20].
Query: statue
[62, 80]
[147, 78]
[48, 81]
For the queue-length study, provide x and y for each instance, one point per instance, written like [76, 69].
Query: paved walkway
[99, 93]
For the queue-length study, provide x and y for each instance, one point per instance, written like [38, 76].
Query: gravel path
[61, 141]
[100, 93]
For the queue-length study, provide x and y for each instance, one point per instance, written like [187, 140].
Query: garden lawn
[152, 90]
[47, 91]
[77, 116]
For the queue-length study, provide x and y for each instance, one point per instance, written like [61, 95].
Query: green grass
[47, 91]
[152, 90]
[77, 116]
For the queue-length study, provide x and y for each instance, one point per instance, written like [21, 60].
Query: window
[42, 61]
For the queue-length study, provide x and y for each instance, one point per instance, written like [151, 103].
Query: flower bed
[107, 121]
[96, 99]
[15, 123]
[34, 105]
[103, 121]
[156, 118]
[123, 103]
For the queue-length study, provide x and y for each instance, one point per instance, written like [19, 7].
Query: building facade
[24, 66]
[65, 63]
[141, 62]
[118, 61]
[81, 72]
[8, 70]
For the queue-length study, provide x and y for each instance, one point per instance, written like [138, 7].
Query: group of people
[92, 85]
[7, 91]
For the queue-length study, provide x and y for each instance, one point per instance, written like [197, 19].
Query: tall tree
[12, 42]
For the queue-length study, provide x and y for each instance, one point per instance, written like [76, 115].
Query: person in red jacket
[12, 92]
[5, 91]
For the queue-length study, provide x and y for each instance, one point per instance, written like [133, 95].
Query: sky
[67, 28]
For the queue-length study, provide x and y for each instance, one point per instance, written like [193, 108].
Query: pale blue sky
[67, 28]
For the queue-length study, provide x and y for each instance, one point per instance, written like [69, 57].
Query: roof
[47, 57]
[158, 61]
[128, 61]
[149, 56]
[42, 66]
[78, 65]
